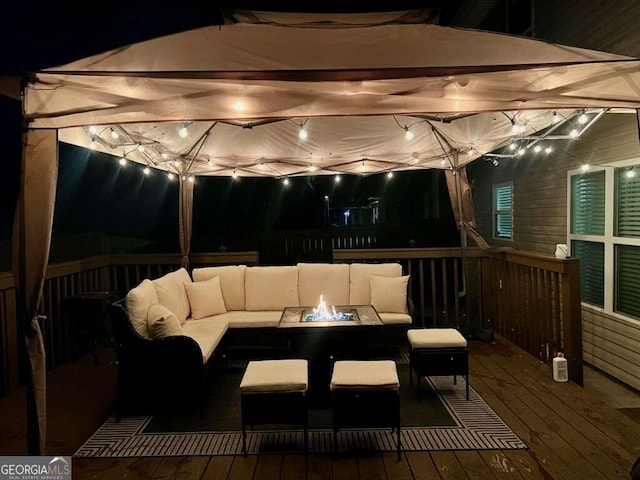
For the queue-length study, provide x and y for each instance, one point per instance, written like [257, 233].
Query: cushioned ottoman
[438, 351]
[274, 392]
[365, 393]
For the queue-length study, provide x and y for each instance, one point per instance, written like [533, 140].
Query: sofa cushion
[205, 298]
[207, 333]
[254, 319]
[171, 293]
[231, 281]
[283, 376]
[162, 322]
[359, 283]
[271, 288]
[328, 279]
[138, 301]
[389, 294]
[395, 318]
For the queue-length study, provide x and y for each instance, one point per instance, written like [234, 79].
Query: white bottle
[560, 368]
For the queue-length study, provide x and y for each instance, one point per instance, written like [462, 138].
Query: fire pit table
[323, 340]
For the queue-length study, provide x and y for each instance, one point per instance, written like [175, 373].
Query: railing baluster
[422, 305]
[434, 297]
[456, 288]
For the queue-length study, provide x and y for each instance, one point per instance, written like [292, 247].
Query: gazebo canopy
[356, 84]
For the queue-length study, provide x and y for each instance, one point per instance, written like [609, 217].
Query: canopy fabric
[355, 88]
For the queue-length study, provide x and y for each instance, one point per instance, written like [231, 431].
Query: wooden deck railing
[532, 300]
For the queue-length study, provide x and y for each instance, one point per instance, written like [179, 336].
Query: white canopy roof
[356, 89]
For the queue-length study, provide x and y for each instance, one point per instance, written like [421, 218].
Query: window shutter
[628, 280]
[591, 255]
[588, 203]
[503, 211]
[627, 223]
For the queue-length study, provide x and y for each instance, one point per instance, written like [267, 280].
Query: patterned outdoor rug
[473, 426]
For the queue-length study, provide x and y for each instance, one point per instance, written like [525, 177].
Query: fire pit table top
[355, 315]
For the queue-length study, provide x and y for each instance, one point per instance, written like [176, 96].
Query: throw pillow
[161, 322]
[205, 298]
[389, 294]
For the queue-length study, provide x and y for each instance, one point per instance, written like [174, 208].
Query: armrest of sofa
[153, 369]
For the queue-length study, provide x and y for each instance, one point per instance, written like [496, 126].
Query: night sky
[95, 194]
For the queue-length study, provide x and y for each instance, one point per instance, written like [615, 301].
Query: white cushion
[395, 318]
[436, 338]
[171, 293]
[162, 322]
[271, 288]
[254, 319]
[138, 301]
[275, 376]
[231, 281]
[359, 283]
[389, 294]
[365, 374]
[328, 279]
[205, 298]
[207, 333]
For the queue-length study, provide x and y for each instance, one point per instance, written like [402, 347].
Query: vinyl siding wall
[540, 222]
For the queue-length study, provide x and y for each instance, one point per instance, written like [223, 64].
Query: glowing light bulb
[191, 179]
[234, 175]
[183, 132]
[389, 174]
[443, 162]
[141, 148]
[93, 145]
[555, 118]
[239, 106]
[313, 168]
[170, 175]
[303, 134]
[537, 148]
[122, 162]
[114, 134]
[337, 179]
[631, 173]
[164, 155]
[517, 127]
[93, 129]
[521, 152]
[146, 171]
[176, 163]
[574, 133]
[408, 134]
[582, 119]
[285, 181]
[513, 146]
[585, 167]
[548, 149]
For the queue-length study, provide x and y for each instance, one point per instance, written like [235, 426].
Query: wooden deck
[572, 433]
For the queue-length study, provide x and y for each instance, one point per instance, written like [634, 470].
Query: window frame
[495, 212]
[608, 239]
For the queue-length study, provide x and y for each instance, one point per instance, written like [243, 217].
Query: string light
[513, 146]
[191, 179]
[585, 167]
[184, 131]
[141, 148]
[389, 174]
[122, 162]
[574, 133]
[521, 152]
[170, 175]
[93, 143]
[408, 134]
[286, 181]
[234, 175]
[164, 155]
[443, 162]
[582, 119]
[555, 118]
[631, 173]
[303, 134]
[548, 149]
[114, 134]
[537, 148]
[495, 162]
[93, 130]
[337, 178]
[517, 127]
[146, 171]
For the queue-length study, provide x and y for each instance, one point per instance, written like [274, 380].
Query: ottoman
[438, 351]
[274, 392]
[365, 393]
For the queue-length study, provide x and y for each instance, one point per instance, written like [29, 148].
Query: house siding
[540, 222]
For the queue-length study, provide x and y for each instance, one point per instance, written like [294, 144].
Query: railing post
[572, 319]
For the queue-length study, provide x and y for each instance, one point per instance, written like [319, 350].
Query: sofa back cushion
[162, 322]
[231, 282]
[328, 279]
[171, 293]
[271, 288]
[360, 282]
[138, 301]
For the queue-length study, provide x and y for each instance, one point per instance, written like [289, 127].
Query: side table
[86, 314]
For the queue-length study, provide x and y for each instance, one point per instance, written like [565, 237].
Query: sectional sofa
[168, 329]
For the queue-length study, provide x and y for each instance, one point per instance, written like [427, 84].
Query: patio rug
[442, 420]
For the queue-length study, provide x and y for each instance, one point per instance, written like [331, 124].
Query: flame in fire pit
[322, 313]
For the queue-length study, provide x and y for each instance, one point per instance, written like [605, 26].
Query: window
[604, 230]
[503, 211]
